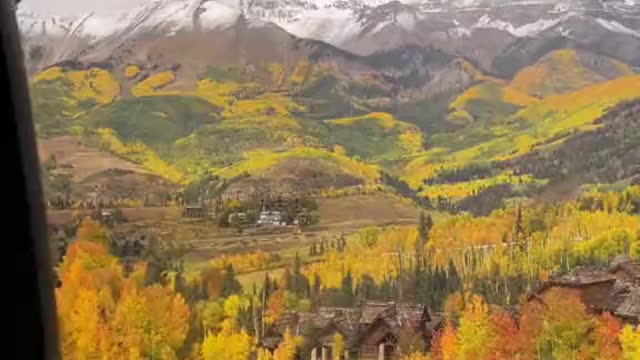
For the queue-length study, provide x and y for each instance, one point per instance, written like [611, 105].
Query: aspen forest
[339, 179]
[477, 272]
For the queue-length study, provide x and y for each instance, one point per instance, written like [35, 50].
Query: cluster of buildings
[369, 332]
[265, 217]
[374, 330]
[271, 218]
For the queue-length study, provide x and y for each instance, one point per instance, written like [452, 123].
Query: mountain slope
[434, 99]
[565, 70]
[549, 120]
[607, 154]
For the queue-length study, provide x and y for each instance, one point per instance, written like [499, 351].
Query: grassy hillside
[375, 136]
[260, 162]
[230, 124]
[155, 120]
[564, 71]
[487, 102]
[551, 119]
[59, 96]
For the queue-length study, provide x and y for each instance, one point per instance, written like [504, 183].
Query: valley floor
[338, 216]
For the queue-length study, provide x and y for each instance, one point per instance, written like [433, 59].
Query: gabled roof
[435, 322]
[345, 321]
[349, 322]
[373, 309]
[412, 314]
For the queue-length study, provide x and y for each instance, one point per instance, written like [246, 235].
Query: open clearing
[338, 216]
[361, 211]
[85, 161]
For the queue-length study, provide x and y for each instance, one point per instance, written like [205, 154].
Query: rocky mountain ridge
[492, 34]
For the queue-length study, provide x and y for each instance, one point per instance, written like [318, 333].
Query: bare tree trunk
[257, 322]
[400, 294]
[263, 303]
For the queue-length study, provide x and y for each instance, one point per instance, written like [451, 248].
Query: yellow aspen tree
[264, 354]
[337, 346]
[227, 345]
[630, 341]
[416, 356]
[475, 334]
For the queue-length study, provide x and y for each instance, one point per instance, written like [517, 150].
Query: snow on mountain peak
[341, 22]
[528, 29]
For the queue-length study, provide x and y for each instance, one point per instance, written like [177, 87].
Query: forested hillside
[259, 119]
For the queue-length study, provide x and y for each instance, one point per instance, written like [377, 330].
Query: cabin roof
[355, 323]
[624, 300]
[620, 259]
[373, 309]
[630, 267]
[412, 313]
[288, 321]
[435, 322]
[194, 207]
[583, 277]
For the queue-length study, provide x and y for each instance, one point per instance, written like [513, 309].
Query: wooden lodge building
[195, 212]
[370, 332]
[616, 290]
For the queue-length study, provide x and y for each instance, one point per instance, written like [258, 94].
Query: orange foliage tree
[275, 306]
[607, 344]
[444, 344]
[506, 330]
[104, 315]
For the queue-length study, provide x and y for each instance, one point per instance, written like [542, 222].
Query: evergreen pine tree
[315, 289]
[452, 277]
[519, 229]
[230, 285]
[347, 289]
[425, 224]
[422, 229]
[296, 263]
[287, 280]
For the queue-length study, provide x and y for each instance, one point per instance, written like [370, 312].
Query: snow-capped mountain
[485, 31]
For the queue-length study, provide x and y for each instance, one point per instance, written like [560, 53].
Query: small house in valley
[271, 218]
[106, 217]
[195, 212]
